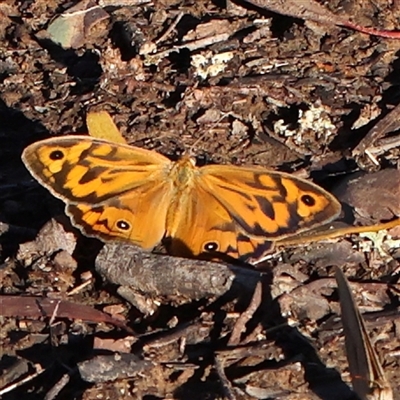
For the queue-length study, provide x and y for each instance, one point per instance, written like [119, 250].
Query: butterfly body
[116, 191]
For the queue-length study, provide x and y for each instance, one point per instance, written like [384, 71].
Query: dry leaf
[71, 28]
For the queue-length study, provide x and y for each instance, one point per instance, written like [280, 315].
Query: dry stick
[173, 336]
[54, 314]
[263, 348]
[334, 233]
[127, 265]
[388, 123]
[56, 389]
[385, 144]
[10, 388]
[193, 45]
[35, 307]
[80, 287]
[120, 3]
[312, 10]
[226, 385]
[372, 157]
[252, 337]
[240, 325]
[105, 368]
[170, 28]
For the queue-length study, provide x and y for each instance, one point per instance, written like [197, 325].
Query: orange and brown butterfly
[116, 191]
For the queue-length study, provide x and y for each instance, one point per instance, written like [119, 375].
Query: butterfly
[114, 191]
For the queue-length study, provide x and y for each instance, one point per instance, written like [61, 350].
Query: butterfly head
[187, 160]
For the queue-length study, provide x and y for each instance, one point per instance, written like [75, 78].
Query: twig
[54, 313]
[30, 377]
[385, 144]
[371, 157]
[172, 336]
[240, 325]
[121, 3]
[194, 45]
[226, 385]
[315, 236]
[157, 276]
[312, 10]
[56, 389]
[170, 28]
[78, 288]
[389, 122]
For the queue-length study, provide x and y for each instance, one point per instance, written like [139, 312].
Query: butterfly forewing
[81, 169]
[269, 204]
[112, 191]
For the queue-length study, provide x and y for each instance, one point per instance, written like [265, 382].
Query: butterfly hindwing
[138, 216]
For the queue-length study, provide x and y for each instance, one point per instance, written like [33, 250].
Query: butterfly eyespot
[308, 200]
[123, 225]
[56, 155]
[211, 246]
